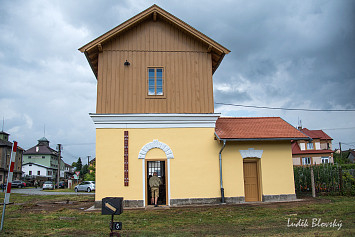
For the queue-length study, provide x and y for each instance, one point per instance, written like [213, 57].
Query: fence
[328, 179]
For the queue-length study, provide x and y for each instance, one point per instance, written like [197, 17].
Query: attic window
[155, 81]
[37, 149]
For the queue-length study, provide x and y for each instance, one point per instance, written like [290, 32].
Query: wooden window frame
[306, 157]
[310, 146]
[163, 96]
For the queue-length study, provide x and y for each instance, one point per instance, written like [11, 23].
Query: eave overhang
[260, 139]
[93, 48]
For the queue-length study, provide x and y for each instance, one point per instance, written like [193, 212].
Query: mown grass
[226, 220]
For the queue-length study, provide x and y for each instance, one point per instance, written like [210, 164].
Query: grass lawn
[64, 215]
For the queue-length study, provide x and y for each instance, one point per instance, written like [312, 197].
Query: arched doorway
[161, 166]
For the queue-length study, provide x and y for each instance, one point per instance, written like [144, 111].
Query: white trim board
[155, 120]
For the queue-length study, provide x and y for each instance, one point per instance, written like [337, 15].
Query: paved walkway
[38, 191]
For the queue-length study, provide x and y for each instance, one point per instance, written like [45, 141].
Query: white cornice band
[155, 120]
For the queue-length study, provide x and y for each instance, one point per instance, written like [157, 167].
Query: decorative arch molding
[156, 144]
[251, 153]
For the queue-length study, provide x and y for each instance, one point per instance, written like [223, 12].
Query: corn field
[328, 179]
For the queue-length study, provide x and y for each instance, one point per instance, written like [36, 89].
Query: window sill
[155, 96]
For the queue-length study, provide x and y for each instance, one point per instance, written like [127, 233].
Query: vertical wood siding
[187, 72]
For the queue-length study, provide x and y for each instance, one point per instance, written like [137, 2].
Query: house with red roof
[312, 152]
[155, 114]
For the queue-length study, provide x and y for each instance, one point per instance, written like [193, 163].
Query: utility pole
[341, 154]
[59, 159]
[88, 160]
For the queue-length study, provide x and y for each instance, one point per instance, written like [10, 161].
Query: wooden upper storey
[180, 60]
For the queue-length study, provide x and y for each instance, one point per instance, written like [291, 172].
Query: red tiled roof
[256, 128]
[297, 151]
[316, 134]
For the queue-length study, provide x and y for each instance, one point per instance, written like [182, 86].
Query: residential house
[155, 113]
[5, 156]
[92, 164]
[314, 152]
[42, 161]
[351, 156]
[68, 171]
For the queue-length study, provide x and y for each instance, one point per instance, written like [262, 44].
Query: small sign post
[113, 206]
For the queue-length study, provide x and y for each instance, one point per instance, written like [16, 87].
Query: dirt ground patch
[54, 206]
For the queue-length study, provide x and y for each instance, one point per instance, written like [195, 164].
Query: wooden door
[251, 186]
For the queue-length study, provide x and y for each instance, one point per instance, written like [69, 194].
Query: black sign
[116, 226]
[112, 206]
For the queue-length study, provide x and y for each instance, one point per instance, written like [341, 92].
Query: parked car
[86, 186]
[48, 185]
[18, 184]
[62, 184]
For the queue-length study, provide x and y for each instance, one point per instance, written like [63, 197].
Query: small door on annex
[251, 184]
[159, 167]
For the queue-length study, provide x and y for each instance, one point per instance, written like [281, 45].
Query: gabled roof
[93, 48]
[316, 134]
[297, 151]
[351, 152]
[42, 150]
[257, 128]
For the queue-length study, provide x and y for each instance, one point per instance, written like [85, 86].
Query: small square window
[310, 146]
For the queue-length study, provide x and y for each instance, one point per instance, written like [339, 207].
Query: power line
[294, 109]
[336, 128]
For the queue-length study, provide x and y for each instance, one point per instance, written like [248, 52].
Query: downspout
[220, 171]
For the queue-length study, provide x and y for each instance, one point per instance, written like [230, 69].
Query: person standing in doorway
[154, 183]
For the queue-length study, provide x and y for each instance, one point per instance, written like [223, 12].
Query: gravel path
[38, 191]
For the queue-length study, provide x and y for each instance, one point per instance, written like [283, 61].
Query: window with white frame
[325, 159]
[155, 81]
[310, 146]
[306, 160]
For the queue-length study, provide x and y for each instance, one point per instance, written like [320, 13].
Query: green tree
[84, 171]
[341, 159]
[79, 165]
[90, 176]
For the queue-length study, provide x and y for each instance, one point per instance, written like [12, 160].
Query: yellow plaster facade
[193, 172]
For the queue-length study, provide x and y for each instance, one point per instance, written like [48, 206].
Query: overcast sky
[290, 54]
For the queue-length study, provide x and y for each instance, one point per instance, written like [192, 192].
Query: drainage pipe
[220, 171]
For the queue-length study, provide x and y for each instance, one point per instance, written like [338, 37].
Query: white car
[86, 186]
[48, 185]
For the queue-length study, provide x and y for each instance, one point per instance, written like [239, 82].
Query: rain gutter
[220, 171]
